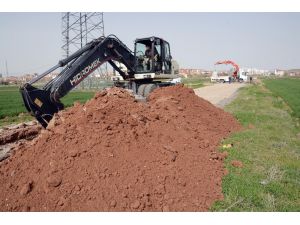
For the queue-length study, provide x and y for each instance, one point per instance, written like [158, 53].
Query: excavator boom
[229, 62]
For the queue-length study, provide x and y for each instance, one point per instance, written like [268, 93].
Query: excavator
[150, 66]
[236, 67]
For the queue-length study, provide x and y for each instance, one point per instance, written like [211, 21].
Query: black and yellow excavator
[148, 67]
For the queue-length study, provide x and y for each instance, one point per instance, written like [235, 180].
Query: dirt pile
[116, 154]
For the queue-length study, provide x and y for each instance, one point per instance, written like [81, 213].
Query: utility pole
[79, 28]
[6, 68]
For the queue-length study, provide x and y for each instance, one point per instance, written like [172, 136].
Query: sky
[31, 42]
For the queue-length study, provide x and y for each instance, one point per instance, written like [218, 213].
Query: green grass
[193, 82]
[81, 96]
[270, 177]
[22, 117]
[289, 90]
[11, 103]
[12, 109]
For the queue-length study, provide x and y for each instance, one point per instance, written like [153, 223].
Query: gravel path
[219, 94]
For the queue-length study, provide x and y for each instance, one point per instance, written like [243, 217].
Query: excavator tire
[149, 88]
[141, 90]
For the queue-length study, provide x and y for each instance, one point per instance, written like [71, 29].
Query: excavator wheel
[149, 88]
[141, 90]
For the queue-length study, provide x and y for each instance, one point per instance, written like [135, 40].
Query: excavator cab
[152, 56]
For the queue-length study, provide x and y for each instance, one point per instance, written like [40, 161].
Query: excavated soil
[116, 154]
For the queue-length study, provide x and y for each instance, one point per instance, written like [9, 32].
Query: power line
[79, 28]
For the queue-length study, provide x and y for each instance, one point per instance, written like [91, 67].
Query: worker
[148, 57]
[148, 51]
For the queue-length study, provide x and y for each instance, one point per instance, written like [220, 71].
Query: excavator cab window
[148, 54]
[167, 58]
[157, 56]
[144, 56]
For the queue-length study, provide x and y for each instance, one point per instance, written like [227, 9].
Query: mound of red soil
[116, 154]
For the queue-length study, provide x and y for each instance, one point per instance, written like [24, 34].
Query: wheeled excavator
[145, 71]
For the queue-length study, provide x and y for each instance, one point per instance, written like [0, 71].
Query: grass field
[12, 109]
[288, 90]
[270, 178]
[193, 82]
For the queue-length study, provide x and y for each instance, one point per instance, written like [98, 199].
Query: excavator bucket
[39, 104]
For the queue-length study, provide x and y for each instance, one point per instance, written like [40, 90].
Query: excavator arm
[229, 62]
[43, 103]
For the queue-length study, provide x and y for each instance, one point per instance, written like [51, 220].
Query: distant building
[279, 73]
[194, 72]
[12, 79]
[255, 71]
[25, 78]
[294, 72]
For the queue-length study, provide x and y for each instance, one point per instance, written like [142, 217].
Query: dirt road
[219, 94]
